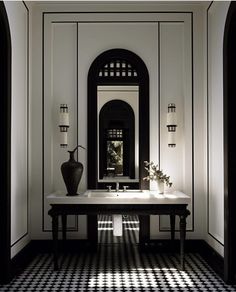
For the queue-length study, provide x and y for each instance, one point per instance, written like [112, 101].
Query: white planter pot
[160, 187]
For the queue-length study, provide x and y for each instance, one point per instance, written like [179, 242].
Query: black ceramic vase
[72, 171]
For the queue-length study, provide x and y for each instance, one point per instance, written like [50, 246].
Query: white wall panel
[216, 21]
[60, 80]
[176, 87]
[18, 20]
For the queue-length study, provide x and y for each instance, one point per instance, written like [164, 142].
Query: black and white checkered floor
[118, 267]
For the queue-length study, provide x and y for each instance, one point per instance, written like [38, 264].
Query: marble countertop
[128, 197]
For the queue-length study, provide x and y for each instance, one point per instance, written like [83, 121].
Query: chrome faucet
[117, 186]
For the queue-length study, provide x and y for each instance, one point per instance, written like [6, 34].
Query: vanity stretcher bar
[93, 203]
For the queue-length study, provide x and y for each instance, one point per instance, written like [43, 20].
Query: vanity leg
[144, 230]
[172, 226]
[92, 231]
[55, 240]
[64, 224]
[182, 226]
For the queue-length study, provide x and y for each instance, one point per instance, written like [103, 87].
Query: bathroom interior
[118, 67]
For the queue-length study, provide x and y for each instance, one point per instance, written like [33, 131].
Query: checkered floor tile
[118, 267]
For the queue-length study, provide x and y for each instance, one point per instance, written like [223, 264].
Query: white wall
[216, 21]
[18, 20]
[54, 82]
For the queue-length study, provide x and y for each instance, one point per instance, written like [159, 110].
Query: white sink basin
[114, 194]
[129, 197]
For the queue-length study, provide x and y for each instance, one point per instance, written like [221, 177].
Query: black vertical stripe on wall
[5, 146]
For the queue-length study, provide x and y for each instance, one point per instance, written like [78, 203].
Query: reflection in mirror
[118, 133]
[118, 75]
[114, 158]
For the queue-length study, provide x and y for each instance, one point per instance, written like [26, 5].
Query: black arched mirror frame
[140, 78]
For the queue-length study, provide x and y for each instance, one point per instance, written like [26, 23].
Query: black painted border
[208, 128]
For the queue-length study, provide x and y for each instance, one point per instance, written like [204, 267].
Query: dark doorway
[229, 55]
[5, 150]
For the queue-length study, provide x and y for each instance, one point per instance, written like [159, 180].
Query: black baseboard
[22, 259]
[214, 260]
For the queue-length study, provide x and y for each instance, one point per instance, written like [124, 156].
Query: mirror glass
[118, 133]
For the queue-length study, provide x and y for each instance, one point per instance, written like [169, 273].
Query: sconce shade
[171, 119]
[171, 124]
[171, 139]
[63, 139]
[64, 116]
[63, 124]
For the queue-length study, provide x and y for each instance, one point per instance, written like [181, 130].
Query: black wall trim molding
[5, 146]
[119, 12]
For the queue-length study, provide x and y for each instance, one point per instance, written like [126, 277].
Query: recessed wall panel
[176, 87]
[18, 21]
[60, 88]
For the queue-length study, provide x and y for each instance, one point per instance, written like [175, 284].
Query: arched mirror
[118, 120]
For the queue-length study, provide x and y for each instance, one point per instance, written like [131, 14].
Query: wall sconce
[171, 124]
[63, 125]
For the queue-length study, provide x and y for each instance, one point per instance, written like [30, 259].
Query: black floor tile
[118, 266]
